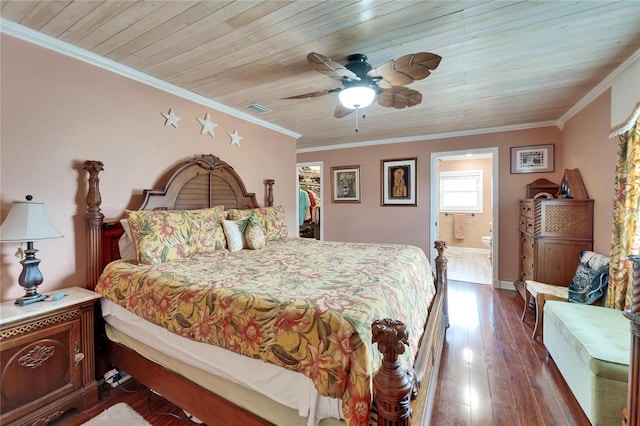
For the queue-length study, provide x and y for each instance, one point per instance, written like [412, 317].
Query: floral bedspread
[301, 304]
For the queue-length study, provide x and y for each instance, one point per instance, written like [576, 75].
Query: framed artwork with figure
[345, 184]
[399, 182]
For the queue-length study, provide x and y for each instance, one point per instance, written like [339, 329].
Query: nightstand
[47, 358]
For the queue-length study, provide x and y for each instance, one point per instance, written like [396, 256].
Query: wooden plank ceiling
[505, 63]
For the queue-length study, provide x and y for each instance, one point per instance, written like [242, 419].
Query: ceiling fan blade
[342, 111]
[326, 66]
[406, 69]
[399, 97]
[312, 94]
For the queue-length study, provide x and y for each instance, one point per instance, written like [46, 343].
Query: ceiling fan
[362, 83]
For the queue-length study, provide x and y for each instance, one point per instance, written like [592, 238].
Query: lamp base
[27, 300]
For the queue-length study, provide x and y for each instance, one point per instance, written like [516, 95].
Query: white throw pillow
[234, 232]
[125, 243]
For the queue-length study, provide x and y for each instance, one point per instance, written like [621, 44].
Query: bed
[259, 336]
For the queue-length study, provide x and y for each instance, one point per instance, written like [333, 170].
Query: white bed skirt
[291, 389]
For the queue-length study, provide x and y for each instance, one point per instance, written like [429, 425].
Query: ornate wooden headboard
[197, 183]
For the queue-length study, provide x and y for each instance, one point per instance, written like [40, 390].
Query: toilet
[486, 240]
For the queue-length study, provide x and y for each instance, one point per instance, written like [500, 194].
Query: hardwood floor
[469, 265]
[491, 372]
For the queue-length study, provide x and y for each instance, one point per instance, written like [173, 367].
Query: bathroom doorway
[464, 212]
[310, 197]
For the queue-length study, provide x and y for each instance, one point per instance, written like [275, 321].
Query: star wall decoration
[171, 118]
[207, 125]
[235, 137]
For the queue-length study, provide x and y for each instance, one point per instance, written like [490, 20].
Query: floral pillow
[271, 220]
[254, 234]
[164, 235]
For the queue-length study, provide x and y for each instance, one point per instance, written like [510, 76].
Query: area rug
[118, 414]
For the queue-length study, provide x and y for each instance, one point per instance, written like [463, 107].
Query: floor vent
[258, 108]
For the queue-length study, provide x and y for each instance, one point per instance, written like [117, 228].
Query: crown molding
[433, 136]
[27, 34]
[600, 88]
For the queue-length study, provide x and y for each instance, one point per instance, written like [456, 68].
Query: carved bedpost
[269, 183]
[441, 276]
[633, 396]
[393, 387]
[93, 223]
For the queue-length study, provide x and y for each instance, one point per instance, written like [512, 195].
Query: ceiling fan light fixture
[356, 97]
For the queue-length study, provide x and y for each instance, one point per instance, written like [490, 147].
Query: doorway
[464, 212]
[310, 197]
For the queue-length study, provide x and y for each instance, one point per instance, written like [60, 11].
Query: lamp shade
[356, 96]
[27, 221]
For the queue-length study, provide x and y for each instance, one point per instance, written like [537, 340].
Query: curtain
[625, 239]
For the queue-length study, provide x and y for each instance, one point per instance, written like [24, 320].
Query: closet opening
[310, 200]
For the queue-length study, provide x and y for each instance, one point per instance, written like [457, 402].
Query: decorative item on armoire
[572, 186]
[542, 186]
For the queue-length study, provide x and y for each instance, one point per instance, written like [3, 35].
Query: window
[461, 191]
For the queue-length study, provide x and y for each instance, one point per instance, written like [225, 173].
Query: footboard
[395, 388]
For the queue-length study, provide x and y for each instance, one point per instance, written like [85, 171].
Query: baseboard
[461, 250]
[506, 285]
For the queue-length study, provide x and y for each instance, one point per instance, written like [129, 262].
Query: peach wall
[58, 112]
[588, 147]
[371, 222]
[476, 225]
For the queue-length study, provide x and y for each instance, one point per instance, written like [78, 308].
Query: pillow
[591, 278]
[206, 225]
[234, 231]
[125, 243]
[164, 235]
[271, 220]
[254, 234]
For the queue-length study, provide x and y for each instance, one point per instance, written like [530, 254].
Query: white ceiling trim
[599, 89]
[48, 42]
[433, 136]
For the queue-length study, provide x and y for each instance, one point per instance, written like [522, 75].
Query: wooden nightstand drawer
[47, 358]
[40, 366]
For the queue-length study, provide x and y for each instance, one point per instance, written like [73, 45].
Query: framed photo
[399, 183]
[532, 159]
[345, 184]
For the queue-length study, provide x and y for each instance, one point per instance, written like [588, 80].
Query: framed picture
[345, 184]
[399, 183]
[532, 159]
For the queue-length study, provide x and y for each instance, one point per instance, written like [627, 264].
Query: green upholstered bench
[591, 347]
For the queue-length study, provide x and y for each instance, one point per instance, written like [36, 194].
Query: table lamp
[28, 221]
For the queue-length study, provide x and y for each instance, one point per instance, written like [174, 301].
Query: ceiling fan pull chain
[356, 118]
